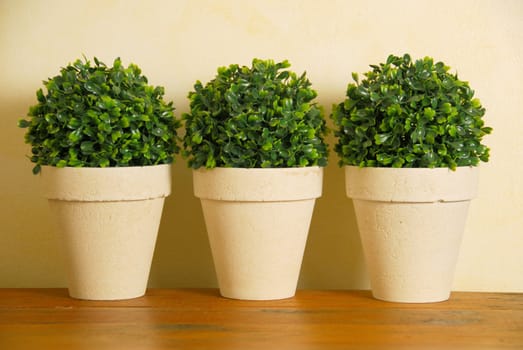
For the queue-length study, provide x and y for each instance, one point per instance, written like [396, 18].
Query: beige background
[177, 42]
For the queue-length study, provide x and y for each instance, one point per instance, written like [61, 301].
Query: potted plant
[409, 135]
[255, 141]
[103, 142]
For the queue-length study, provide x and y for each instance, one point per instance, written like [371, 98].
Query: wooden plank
[201, 319]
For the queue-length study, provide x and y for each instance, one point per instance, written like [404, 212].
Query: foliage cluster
[261, 116]
[409, 113]
[100, 116]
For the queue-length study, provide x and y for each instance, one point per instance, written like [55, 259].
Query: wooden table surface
[201, 319]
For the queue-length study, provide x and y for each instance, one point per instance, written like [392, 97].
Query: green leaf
[61, 164]
[210, 163]
[384, 159]
[40, 96]
[381, 138]
[418, 134]
[22, 123]
[398, 163]
[104, 162]
[453, 130]
[266, 164]
[92, 87]
[158, 132]
[74, 136]
[115, 135]
[197, 139]
[429, 113]
[267, 146]
[87, 147]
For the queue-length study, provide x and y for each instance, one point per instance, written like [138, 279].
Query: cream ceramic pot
[411, 223]
[258, 221]
[108, 219]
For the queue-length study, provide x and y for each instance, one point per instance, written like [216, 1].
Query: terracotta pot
[108, 219]
[411, 223]
[258, 221]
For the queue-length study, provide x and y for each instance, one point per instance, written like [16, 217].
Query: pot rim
[106, 184]
[258, 184]
[411, 185]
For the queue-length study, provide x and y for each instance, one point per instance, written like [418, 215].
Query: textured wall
[177, 42]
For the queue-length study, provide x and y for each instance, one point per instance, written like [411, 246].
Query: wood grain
[201, 319]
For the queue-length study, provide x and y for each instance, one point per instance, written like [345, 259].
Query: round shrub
[100, 116]
[412, 114]
[261, 116]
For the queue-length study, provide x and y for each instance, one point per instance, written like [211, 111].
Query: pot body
[411, 223]
[108, 219]
[258, 221]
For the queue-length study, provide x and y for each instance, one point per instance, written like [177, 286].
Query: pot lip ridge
[258, 184]
[411, 185]
[106, 184]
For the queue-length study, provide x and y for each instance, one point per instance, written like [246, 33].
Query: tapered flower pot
[108, 219]
[258, 221]
[411, 223]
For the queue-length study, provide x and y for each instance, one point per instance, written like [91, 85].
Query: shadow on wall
[333, 257]
[30, 254]
[182, 256]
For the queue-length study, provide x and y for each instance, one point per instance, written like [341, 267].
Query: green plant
[99, 116]
[262, 116]
[410, 114]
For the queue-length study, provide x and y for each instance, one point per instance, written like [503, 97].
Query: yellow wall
[177, 42]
